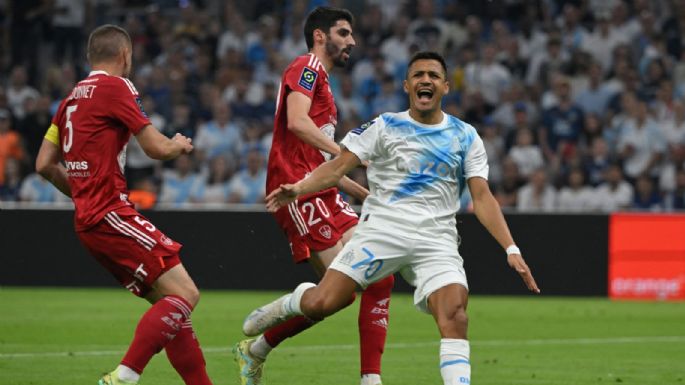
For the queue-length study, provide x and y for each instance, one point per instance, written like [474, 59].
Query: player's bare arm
[326, 175]
[353, 188]
[303, 126]
[48, 165]
[488, 212]
[158, 146]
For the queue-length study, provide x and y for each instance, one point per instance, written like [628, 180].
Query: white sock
[260, 347]
[371, 379]
[127, 374]
[455, 366]
[292, 304]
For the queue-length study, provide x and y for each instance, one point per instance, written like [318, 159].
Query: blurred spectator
[576, 196]
[640, 143]
[602, 41]
[487, 76]
[10, 143]
[428, 30]
[9, 189]
[561, 124]
[537, 195]
[68, 20]
[525, 153]
[614, 194]
[597, 161]
[19, 91]
[647, 197]
[34, 125]
[180, 184]
[596, 97]
[218, 137]
[248, 185]
[143, 194]
[216, 189]
[494, 149]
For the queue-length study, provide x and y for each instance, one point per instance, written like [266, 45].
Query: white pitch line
[224, 349]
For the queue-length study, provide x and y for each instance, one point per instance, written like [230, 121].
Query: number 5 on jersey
[69, 137]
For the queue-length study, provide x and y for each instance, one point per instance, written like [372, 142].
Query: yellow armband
[52, 135]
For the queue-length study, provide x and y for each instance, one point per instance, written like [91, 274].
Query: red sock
[373, 324]
[158, 326]
[291, 327]
[186, 357]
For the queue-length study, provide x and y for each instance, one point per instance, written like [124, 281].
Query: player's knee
[192, 295]
[318, 306]
[453, 320]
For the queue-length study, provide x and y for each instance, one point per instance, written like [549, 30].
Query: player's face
[426, 85]
[339, 43]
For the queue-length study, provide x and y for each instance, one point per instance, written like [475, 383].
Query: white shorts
[427, 263]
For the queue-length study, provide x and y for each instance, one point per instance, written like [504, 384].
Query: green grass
[71, 336]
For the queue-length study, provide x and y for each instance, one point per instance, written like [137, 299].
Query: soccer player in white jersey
[419, 161]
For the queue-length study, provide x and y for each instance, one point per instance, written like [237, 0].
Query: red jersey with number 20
[291, 159]
[95, 124]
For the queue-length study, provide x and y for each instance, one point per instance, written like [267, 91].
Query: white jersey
[417, 171]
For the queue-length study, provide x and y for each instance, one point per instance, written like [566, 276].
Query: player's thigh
[177, 281]
[371, 255]
[320, 260]
[435, 263]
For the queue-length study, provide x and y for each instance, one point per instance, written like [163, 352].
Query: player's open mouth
[425, 95]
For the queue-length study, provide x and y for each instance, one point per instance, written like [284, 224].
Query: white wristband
[513, 249]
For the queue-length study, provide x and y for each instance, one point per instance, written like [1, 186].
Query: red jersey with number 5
[290, 158]
[95, 124]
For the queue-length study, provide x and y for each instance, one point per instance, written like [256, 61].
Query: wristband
[513, 249]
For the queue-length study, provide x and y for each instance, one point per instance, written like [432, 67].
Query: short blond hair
[106, 42]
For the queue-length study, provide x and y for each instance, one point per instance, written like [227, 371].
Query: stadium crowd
[579, 103]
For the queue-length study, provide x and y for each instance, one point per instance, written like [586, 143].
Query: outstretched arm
[158, 146]
[326, 175]
[353, 188]
[488, 212]
[48, 165]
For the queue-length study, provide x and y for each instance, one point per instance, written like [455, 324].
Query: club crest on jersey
[325, 231]
[308, 78]
[166, 240]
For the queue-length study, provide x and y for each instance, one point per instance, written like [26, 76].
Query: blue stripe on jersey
[443, 156]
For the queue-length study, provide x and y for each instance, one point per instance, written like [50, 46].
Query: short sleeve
[127, 107]
[476, 160]
[363, 141]
[302, 78]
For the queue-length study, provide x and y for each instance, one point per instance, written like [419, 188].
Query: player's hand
[517, 263]
[185, 142]
[281, 197]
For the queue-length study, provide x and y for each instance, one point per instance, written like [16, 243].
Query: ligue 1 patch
[140, 106]
[363, 127]
[308, 78]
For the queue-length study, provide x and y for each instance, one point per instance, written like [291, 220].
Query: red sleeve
[127, 107]
[301, 77]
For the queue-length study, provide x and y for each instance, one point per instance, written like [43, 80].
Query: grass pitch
[72, 336]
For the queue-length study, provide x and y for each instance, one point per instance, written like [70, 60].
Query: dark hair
[427, 55]
[106, 42]
[324, 18]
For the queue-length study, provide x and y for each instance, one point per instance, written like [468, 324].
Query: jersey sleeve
[362, 141]
[52, 135]
[476, 160]
[127, 107]
[302, 78]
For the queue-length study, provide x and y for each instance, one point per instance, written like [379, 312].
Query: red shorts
[131, 248]
[315, 223]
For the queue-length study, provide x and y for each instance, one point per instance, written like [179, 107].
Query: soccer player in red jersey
[89, 133]
[319, 224]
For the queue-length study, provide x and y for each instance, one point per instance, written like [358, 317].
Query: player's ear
[404, 86]
[319, 36]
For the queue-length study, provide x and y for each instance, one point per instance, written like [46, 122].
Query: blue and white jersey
[417, 171]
